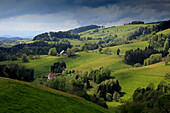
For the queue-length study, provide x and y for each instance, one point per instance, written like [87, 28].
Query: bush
[107, 51]
[24, 58]
[52, 52]
[116, 95]
[154, 58]
[137, 65]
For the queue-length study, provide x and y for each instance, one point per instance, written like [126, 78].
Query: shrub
[137, 65]
[24, 58]
[52, 52]
[154, 58]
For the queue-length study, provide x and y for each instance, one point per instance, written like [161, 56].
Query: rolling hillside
[120, 31]
[130, 79]
[82, 60]
[165, 32]
[17, 96]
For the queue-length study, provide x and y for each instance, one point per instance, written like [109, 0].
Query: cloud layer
[30, 17]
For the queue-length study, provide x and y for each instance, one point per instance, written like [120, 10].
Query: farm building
[63, 52]
[52, 75]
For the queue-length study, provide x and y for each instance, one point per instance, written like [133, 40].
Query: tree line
[15, 71]
[36, 48]
[55, 36]
[139, 55]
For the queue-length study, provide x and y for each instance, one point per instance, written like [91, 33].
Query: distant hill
[18, 96]
[11, 38]
[85, 28]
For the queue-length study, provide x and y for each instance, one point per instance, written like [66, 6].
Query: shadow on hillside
[112, 77]
[74, 56]
[122, 94]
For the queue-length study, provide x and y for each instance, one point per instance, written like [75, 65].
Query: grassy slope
[18, 96]
[120, 31]
[165, 32]
[130, 79]
[82, 60]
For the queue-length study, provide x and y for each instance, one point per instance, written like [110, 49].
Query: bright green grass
[22, 97]
[165, 32]
[130, 79]
[120, 31]
[125, 47]
[75, 42]
[82, 61]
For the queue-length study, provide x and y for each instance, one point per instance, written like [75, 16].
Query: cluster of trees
[137, 22]
[52, 52]
[89, 46]
[16, 71]
[75, 83]
[160, 41]
[71, 51]
[55, 36]
[82, 29]
[142, 31]
[99, 75]
[58, 67]
[154, 58]
[108, 90]
[149, 100]
[139, 55]
[36, 48]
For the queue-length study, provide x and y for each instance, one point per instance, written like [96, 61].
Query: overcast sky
[31, 17]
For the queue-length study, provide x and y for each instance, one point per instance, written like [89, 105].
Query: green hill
[17, 96]
[165, 32]
[82, 60]
[120, 31]
[130, 79]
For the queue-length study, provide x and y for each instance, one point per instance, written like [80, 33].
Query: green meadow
[82, 61]
[120, 31]
[23, 97]
[129, 77]
[165, 32]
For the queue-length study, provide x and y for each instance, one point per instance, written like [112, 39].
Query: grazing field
[22, 97]
[130, 79]
[82, 60]
[120, 31]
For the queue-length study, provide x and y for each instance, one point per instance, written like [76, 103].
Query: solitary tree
[52, 52]
[70, 52]
[118, 51]
[24, 58]
[166, 44]
[100, 49]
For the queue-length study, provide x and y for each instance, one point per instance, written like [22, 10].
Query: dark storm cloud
[20, 7]
[45, 15]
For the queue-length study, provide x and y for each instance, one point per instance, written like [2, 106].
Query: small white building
[63, 52]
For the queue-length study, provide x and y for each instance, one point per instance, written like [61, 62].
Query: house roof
[62, 52]
[52, 75]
